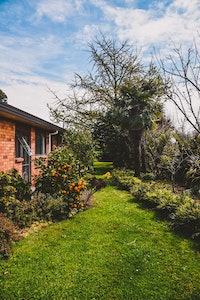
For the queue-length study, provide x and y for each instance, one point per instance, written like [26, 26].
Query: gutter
[50, 141]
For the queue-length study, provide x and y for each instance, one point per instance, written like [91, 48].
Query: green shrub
[180, 209]
[12, 184]
[139, 191]
[124, 179]
[148, 176]
[15, 195]
[48, 207]
[195, 190]
[62, 177]
[81, 143]
[187, 218]
[8, 235]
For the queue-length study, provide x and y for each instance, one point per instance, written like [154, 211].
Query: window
[19, 148]
[40, 143]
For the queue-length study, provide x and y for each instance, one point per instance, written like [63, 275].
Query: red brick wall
[8, 159]
[7, 147]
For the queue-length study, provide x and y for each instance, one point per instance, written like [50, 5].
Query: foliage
[3, 97]
[119, 91]
[124, 179]
[160, 147]
[8, 235]
[112, 63]
[61, 176]
[193, 161]
[59, 189]
[81, 143]
[50, 208]
[187, 219]
[15, 195]
[102, 167]
[180, 209]
[112, 142]
[117, 250]
[12, 184]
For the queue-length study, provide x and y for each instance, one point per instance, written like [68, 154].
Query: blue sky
[44, 42]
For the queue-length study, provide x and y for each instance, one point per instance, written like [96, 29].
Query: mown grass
[114, 250]
[101, 168]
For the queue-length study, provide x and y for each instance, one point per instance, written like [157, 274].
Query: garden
[120, 247]
[115, 211]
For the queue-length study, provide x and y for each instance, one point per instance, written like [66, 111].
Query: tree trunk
[143, 168]
[136, 138]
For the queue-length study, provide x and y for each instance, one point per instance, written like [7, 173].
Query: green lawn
[102, 167]
[114, 250]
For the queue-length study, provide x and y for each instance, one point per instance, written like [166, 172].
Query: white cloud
[59, 10]
[48, 49]
[27, 56]
[178, 22]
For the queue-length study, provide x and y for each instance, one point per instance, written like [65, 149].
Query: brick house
[24, 137]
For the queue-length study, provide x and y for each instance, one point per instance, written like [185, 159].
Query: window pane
[40, 143]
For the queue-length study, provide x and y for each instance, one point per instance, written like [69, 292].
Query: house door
[23, 150]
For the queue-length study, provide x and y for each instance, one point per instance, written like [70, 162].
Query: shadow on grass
[165, 216]
[100, 168]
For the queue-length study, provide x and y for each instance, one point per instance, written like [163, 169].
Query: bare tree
[182, 73]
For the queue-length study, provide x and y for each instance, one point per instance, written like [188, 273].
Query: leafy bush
[147, 176]
[12, 184]
[187, 218]
[19, 212]
[8, 235]
[124, 179]
[61, 177]
[48, 207]
[170, 202]
[82, 146]
[15, 195]
[181, 210]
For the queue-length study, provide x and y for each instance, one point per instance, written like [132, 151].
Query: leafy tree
[112, 142]
[82, 145]
[139, 107]
[96, 93]
[3, 97]
[118, 86]
[159, 145]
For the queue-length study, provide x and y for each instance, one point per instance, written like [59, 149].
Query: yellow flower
[107, 175]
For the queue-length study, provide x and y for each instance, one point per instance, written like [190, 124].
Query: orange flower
[76, 188]
[64, 192]
[80, 182]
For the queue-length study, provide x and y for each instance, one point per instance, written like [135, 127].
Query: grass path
[114, 250]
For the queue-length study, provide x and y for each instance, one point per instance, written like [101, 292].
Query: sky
[45, 42]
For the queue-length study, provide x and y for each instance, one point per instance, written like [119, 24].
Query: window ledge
[19, 159]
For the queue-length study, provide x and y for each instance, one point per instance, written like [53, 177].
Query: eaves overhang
[17, 115]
